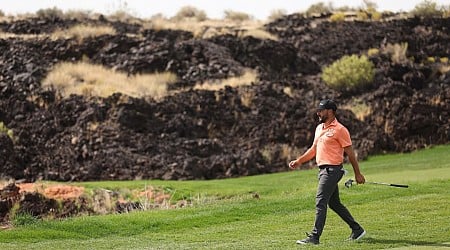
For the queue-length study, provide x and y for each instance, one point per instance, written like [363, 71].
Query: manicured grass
[226, 215]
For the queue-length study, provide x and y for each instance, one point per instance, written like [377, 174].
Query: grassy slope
[227, 216]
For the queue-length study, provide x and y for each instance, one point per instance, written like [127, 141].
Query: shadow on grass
[406, 242]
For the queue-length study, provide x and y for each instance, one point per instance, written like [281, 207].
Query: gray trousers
[328, 194]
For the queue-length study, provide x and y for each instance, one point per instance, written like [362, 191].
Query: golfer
[331, 140]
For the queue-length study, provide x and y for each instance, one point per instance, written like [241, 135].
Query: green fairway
[227, 215]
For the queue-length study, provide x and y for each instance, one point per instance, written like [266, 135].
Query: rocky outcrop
[199, 134]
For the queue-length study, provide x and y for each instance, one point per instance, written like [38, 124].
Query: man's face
[323, 115]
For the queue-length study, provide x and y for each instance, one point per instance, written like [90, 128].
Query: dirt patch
[52, 191]
[42, 200]
[63, 192]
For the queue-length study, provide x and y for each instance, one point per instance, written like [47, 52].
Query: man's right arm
[359, 177]
[308, 155]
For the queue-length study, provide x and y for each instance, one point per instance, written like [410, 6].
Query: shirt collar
[333, 123]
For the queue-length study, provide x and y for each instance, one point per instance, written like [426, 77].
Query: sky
[259, 9]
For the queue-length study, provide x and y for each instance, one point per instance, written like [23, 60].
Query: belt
[330, 166]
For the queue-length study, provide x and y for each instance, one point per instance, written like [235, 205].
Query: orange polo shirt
[330, 142]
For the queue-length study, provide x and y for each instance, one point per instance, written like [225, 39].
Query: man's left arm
[360, 179]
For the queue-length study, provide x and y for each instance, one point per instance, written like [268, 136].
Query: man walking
[331, 140]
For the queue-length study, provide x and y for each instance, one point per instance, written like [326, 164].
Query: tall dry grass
[95, 80]
[212, 27]
[359, 108]
[7, 35]
[81, 31]
[397, 51]
[250, 76]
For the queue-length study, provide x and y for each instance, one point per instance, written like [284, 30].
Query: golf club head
[348, 183]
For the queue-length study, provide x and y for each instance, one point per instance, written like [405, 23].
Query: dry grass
[82, 31]
[259, 33]
[6, 35]
[359, 108]
[373, 52]
[288, 91]
[95, 80]
[276, 14]
[444, 66]
[79, 32]
[212, 27]
[444, 69]
[200, 29]
[80, 15]
[337, 17]
[397, 52]
[247, 98]
[5, 19]
[250, 76]
[87, 79]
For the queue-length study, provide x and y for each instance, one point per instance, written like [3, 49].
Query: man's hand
[293, 164]
[360, 179]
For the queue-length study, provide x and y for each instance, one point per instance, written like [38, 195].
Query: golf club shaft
[389, 184]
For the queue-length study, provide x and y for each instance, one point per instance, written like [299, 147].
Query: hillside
[209, 134]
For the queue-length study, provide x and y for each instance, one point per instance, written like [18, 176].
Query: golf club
[349, 183]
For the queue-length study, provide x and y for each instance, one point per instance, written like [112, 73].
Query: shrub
[122, 16]
[337, 17]
[2, 14]
[446, 11]
[50, 13]
[370, 5]
[373, 52]
[190, 12]
[370, 10]
[80, 15]
[276, 14]
[397, 52]
[236, 16]
[318, 8]
[361, 15]
[122, 12]
[427, 8]
[376, 16]
[349, 73]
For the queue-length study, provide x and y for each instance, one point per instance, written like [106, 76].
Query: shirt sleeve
[344, 137]
[316, 134]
